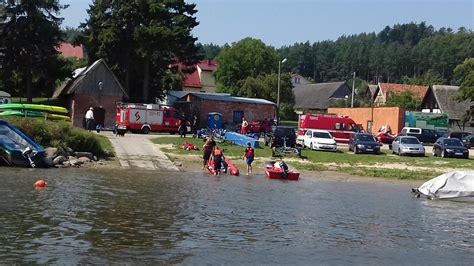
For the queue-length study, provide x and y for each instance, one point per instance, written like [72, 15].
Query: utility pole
[353, 89]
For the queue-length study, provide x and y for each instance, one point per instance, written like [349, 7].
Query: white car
[319, 140]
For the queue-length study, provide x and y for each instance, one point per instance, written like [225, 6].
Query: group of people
[183, 126]
[212, 153]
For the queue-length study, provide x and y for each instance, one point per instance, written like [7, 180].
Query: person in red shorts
[245, 125]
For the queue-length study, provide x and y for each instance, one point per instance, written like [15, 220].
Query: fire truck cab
[146, 118]
[341, 128]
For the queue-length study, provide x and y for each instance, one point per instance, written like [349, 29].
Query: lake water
[101, 217]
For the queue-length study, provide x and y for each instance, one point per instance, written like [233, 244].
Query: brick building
[232, 108]
[95, 86]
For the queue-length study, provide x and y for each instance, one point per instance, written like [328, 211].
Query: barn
[232, 108]
[94, 86]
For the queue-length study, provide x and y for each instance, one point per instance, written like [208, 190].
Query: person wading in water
[207, 148]
[248, 156]
[218, 158]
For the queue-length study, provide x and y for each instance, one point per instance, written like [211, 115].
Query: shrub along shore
[384, 165]
[64, 140]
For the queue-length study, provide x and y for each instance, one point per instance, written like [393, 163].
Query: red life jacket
[217, 152]
[249, 153]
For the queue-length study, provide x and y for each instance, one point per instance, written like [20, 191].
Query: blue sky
[284, 22]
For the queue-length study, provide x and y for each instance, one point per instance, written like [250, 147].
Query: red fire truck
[145, 118]
[340, 128]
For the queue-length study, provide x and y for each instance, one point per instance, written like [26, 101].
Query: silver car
[406, 145]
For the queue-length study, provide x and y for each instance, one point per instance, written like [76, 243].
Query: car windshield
[322, 135]
[452, 142]
[365, 138]
[410, 141]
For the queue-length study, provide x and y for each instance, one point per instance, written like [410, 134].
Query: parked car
[319, 140]
[278, 135]
[422, 134]
[458, 135]
[468, 141]
[450, 147]
[363, 143]
[406, 145]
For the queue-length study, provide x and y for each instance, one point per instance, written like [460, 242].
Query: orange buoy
[40, 183]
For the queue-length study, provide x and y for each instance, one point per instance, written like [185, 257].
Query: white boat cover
[455, 184]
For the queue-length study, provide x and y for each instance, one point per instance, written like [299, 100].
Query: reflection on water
[86, 216]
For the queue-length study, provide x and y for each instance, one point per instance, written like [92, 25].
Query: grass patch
[361, 164]
[62, 135]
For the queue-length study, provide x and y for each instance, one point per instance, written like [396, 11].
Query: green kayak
[34, 107]
[37, 114]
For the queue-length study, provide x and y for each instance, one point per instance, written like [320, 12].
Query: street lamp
[278, 92]
[346, 97]
[100, 85]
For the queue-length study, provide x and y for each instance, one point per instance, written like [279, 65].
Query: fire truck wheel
[145, 130]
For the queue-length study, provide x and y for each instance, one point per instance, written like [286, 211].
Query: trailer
[146, 118]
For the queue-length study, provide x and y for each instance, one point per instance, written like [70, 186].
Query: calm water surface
[87, 216]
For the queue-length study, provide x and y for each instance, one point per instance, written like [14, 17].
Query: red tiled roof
[208, 65]
[192, 80]
[68, 50]
[418, 91]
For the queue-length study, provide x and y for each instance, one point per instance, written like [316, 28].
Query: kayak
[34, 107]
[22, 113]
[36, 114]
[274, 171]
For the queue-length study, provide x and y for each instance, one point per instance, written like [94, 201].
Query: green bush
[61, 135]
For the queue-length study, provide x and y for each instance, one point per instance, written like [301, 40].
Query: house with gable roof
[442, 99]
[202, 78]
[318, 97]
[384, 91]
[93, 86]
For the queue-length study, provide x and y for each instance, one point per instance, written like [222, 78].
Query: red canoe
[273, 172]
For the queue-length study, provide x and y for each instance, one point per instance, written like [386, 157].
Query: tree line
[140, 40]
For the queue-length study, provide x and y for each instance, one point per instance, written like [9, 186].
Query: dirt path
[137, 151]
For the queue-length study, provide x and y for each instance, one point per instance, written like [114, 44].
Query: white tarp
[450, 185]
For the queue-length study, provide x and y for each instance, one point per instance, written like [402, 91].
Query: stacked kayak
[34, 110]
[16, 149]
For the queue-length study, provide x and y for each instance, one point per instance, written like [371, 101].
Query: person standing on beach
[195, 126]
[248, 156]
[90, 119]
[244, 127]
[183, 126]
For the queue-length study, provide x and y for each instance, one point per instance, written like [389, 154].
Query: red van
[341, 128]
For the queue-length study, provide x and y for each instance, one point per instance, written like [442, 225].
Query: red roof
[192, 80]
[208, 65]
[69, 50]
[418, 91]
